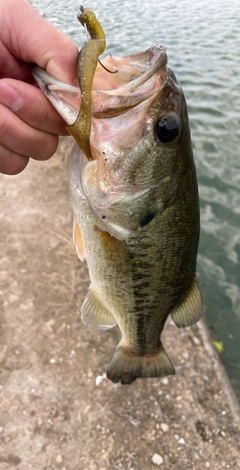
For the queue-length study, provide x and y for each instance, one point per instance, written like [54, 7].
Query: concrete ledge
[53, 415]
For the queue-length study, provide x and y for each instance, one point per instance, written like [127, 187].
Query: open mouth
[138, 77]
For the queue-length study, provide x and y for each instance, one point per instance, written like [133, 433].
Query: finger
[11, 66]
[11, 163]
[51, 49]
[29, 104]
[20, 138]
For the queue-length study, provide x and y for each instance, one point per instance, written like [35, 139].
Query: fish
[134, 192]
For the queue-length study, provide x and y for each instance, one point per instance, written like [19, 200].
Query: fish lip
[48, 83]
[159, 60]
[64, 97]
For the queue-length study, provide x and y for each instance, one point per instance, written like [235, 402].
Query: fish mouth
[120, 115]
[136, 79]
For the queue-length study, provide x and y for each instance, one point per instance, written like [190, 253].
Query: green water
[202, 39]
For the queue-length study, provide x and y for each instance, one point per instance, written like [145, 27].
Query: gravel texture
[57, 409]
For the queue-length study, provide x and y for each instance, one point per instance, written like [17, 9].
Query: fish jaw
[119, 123]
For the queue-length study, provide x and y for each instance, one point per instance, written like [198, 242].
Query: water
[202, 39]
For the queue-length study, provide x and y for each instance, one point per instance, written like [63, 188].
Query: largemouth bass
[134, 193]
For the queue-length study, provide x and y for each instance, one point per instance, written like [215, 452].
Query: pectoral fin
[94, 313]
[189, 311]
[78, 241]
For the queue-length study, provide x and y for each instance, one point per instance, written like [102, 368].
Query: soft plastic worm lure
[87, 63]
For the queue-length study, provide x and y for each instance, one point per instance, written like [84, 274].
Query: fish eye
[167, 129]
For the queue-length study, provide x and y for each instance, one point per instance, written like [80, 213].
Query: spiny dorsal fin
[94, 313]
[189, 311]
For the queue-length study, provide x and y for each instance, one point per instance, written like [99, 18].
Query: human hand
[29, 126]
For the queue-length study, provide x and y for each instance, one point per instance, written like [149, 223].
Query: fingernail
[10, 97]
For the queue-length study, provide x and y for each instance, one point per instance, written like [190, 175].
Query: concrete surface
[53, 415]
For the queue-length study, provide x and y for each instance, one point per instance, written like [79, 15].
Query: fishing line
[35, 203]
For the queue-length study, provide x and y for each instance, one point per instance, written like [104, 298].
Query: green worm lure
[87, 63]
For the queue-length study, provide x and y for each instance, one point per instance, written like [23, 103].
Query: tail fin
[126, 366]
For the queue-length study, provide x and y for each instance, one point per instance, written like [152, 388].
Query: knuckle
[4, 125]
[11, 163]
[46, 148]
[39, 118]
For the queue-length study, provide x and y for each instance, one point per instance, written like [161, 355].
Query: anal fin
[125, 366]
[94, 313]
[190, 309]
